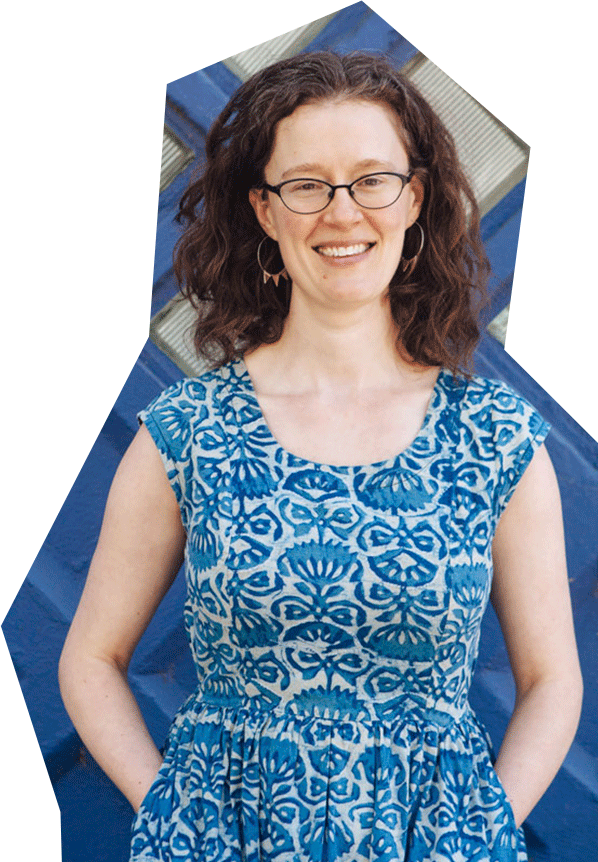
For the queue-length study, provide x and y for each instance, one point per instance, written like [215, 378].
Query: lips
[334, 250]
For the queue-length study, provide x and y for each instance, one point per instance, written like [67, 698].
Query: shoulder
[182, 411]
[494, 408]
[479, 390]
[185, 423]
[191, 400]
[500, 431]
[185, 394]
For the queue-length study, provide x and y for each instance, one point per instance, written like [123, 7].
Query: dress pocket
[150, 792]
[499, 787]
[144, 845]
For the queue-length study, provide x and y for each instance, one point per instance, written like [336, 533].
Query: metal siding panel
[498, 325]
[346, 20]
[490, 156]
[175, 158]
[511, 203]
[198, 97]
[253, 59]
[167, 236]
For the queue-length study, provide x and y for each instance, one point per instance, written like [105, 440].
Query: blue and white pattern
[334, 616]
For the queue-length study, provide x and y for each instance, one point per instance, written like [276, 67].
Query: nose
[342, 208]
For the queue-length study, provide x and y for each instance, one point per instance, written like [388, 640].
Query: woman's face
[339, 142]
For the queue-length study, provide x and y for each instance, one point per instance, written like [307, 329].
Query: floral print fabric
[333, 615]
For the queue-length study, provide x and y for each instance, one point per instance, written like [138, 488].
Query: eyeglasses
[373, 191]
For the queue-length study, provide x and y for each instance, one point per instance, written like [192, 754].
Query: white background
[79, 225]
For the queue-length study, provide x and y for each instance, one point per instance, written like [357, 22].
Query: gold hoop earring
[407, 264]
[266, 275]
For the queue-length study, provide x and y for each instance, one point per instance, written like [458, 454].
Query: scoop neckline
[244, 378]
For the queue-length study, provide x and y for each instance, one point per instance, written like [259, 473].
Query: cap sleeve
[518, 432]
[171, 420]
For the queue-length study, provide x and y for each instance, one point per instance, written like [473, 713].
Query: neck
[320, 351]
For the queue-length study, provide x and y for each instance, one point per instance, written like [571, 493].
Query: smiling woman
[347, 497]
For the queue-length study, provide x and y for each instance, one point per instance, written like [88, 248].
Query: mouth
[344, 251]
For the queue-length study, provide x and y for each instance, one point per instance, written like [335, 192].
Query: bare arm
[136, 560]
[530, 594]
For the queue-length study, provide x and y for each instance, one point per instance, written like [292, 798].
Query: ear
[261, 207]
[416, 199]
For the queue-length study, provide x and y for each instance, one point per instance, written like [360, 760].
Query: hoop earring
[407, 264]
[266, 275]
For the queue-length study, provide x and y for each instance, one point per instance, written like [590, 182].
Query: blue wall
[161, 672]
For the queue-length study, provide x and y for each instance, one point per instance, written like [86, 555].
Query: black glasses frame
[405, 179]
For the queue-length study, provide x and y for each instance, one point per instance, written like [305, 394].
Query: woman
[341, 491]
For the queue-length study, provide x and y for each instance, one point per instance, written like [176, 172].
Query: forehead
[338, 133]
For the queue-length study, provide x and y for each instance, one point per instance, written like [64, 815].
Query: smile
[343, 250]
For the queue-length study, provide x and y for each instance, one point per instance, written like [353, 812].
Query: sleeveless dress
[334, 615]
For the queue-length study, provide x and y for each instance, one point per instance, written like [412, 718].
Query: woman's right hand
[138, 555]
[145, 788]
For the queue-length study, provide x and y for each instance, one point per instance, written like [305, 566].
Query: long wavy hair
[435, 307]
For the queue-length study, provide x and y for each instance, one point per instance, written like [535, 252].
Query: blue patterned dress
[334, 616]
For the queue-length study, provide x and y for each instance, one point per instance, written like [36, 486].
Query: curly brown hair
[435, 306]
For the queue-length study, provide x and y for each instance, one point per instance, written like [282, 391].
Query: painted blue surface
[95, 816]
[358, 28]
[193, 135]
[183, 93]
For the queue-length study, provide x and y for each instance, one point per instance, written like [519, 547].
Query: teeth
[342, 251]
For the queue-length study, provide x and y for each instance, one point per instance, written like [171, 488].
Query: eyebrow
[307, 168]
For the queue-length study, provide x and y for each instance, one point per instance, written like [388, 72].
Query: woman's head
[216, 258]
[339, 199]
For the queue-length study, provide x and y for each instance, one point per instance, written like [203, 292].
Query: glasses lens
[377, 190]
[305, 196]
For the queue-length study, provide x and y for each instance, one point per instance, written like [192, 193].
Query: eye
[372, 181]
[304, 186]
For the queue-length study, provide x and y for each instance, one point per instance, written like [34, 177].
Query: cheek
[291, 230]
[393, 228]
